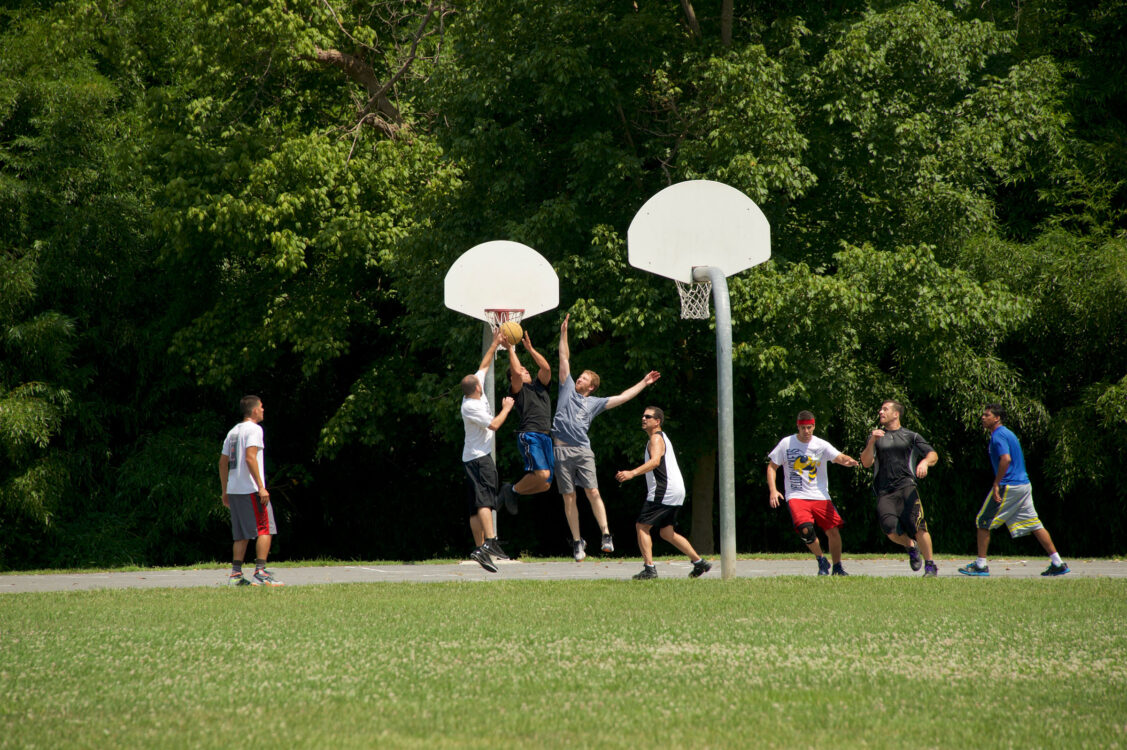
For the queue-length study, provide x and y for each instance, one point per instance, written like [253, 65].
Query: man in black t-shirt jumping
[900, 513]
[534, 405]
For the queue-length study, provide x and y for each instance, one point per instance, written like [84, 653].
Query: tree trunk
[704, 485]
[726, 23]
[691, 18]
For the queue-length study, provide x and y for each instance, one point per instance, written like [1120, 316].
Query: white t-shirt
[804, 464]
[242, 436]
[476, 417]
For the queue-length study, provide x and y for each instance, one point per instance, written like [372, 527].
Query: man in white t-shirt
[482, 483]
[805, 459]
[242, 468]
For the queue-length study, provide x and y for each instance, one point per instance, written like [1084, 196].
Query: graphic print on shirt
[805, 468]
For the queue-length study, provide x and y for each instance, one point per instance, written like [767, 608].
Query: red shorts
[821, 512]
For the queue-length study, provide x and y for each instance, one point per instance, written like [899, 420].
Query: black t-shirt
[895, 459]
[534, 403]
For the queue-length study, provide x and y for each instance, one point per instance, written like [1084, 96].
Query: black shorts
[658, 515]
[901, 512]
[481, 484]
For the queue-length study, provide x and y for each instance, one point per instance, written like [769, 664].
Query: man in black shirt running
[899, 511]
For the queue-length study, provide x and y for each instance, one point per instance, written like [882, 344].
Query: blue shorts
[536, 447]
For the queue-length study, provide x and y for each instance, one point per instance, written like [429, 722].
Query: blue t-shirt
[1003, 441]
[574, 414]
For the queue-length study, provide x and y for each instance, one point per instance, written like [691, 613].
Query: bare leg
[815, 547]
[533, 483]
[239, 550]
[598, 508]
[645, 543]
[903, 540]
[572, 513]
[982, 540]
[262, 546]
[1042, 536]
[833, 536]
[481, 525]
[923, 539]
[669, 534]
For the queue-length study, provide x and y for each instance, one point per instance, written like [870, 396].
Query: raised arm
[565, 353]
[867, 454]
[506, 407]
[657, 450]
[488, 358]
[651, 378]
[515, 370]
[544, 373]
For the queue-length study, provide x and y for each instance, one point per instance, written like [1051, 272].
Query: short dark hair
[997, 410]
[804, 415]
[469, 385]
[659, 415]
[247, 405]
[899, 407]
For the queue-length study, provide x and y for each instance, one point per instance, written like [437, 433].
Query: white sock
[980, 562]
[1055, 559]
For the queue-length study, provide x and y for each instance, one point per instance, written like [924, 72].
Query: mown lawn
[780, 662]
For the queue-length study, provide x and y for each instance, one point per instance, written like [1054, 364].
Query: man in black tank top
[901, 457]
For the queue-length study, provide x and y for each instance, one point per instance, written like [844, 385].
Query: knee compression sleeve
[806, 533]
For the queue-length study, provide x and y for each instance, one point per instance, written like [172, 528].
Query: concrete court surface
[591, 569]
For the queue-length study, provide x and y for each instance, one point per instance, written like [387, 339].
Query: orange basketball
[511, 332]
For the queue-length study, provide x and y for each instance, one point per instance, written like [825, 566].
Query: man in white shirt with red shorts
[805, 459]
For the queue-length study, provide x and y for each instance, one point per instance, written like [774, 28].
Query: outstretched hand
[651, 377]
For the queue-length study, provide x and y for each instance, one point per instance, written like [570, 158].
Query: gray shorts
[249, 519]
[575, 467]
[1016, 511]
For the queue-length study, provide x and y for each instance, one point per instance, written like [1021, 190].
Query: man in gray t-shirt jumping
[575, 461]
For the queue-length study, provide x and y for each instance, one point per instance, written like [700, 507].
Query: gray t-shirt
[574, 414]
[895, 462]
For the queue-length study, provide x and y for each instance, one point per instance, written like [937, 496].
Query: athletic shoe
[700, 567]
[509, 498]
[914, 558]
[579, 549]
[493, 547]
[930, 570]
[839, 571]
[823, 566]
[1055, 570]
[482, 558]
[236, 579]
[608, 543]
[972, 569]
[647, 573]
[263, 577]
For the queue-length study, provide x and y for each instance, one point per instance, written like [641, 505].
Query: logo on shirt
[805, 468]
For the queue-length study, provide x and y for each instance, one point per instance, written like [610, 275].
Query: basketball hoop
[498, 316]
[694, 299]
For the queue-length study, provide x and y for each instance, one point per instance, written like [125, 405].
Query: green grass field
[780, 662]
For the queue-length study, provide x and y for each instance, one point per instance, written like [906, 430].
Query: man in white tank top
[665, 494]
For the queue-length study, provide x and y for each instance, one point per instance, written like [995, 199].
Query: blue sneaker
[1055, 570]
[838, 570]
[972, 569]
[823, 566]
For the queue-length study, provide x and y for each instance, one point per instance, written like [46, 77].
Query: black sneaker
[823, 566]
[700, 567]
[493, 547]
[608, 543]
[509, 498]
[914, 558]
[838, 570]
[482, 558]
[579, 549]
[1055, 570]
[648, 572]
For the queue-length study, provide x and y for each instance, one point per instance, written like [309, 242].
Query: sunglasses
[648, 416]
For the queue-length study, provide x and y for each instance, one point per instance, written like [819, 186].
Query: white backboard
[501, 275]
[698, 223]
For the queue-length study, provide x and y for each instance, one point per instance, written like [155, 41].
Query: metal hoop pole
[726, 452]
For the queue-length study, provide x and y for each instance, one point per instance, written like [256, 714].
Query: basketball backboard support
[698, 223]
[501, 275]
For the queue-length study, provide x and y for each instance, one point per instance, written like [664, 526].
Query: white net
[497, 317]
[694, 299]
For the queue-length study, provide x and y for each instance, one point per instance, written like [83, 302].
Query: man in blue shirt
[1010, 500]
